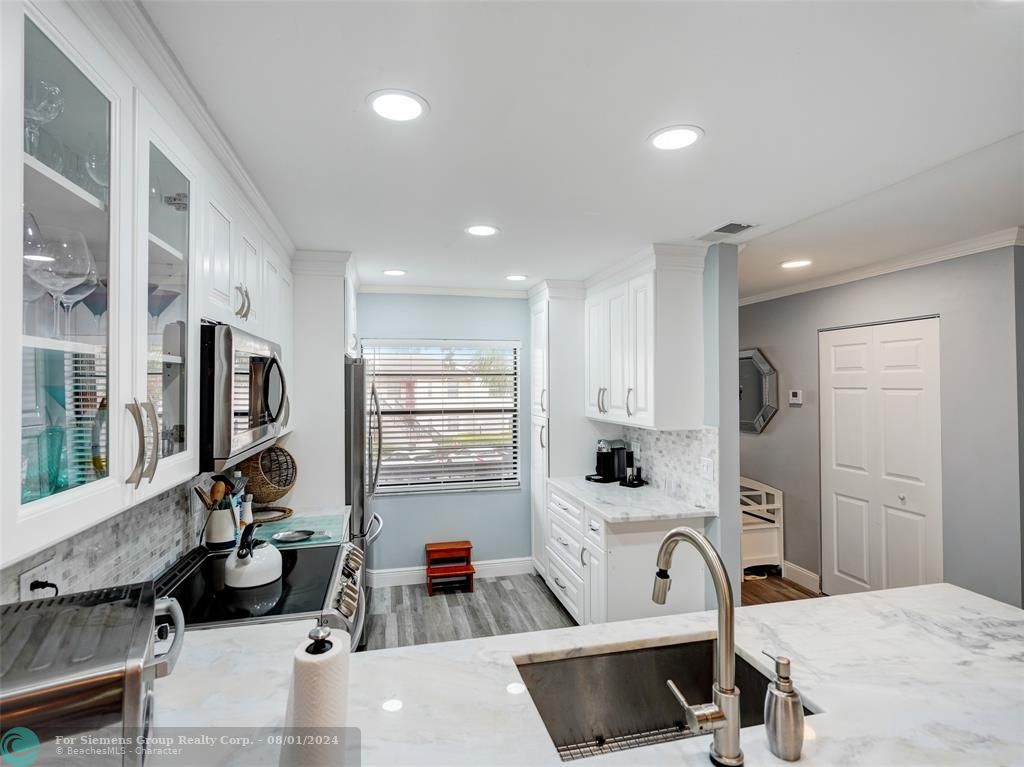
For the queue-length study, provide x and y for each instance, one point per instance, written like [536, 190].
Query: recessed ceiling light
[400, 106]
[391, 706]
[796, 263]
[675, 137]
[482, 230]
[394, 272]
[515, 277]
[515, 688]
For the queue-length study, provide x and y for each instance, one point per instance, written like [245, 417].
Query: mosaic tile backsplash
[671, 462]
[135, 545]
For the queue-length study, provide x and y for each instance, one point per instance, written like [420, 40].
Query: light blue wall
[497, 522]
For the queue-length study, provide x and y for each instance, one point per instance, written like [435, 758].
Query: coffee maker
[611, 461]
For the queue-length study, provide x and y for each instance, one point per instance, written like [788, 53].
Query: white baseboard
[408, 576]
[801, 577]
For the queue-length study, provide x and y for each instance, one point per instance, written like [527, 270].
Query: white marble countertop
[615, 503]
[930, 675]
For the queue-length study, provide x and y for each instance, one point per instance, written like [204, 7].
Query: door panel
[597, 354]
[881, 457]
[639, 402]
[538, 493]
[539, 398]
[618, 353]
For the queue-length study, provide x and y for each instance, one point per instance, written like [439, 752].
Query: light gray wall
[981, 473]
[498, 521]
[721, 374]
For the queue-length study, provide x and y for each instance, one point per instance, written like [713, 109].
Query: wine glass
[69, 265]
[97, 162]
[33, 245]
[77, 293]
[43, 104]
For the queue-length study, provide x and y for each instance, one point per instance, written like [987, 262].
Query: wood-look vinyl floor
[773, 589]
[405, 615]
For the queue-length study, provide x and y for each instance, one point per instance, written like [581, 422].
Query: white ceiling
[539, 114]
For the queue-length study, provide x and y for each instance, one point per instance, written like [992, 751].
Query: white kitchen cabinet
[67, 339]
[352, 342]
[603, 571]
[594, 585]
[644, 342]
[563, 438]
[165, 374]
[538, 497]
[539, 358]
[127, 240]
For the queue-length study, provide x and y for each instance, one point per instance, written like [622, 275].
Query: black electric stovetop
[197, 582]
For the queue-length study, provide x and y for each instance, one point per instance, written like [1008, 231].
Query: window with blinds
[449, 414]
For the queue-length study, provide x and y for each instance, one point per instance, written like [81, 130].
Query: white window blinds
[449, 414]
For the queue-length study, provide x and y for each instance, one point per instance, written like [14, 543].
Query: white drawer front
[593, 530]
[567, 544]
[566, 586]
[568, 508]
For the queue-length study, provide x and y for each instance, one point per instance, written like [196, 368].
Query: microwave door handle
[275, 361]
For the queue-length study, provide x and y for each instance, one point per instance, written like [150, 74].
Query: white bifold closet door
[881, 464]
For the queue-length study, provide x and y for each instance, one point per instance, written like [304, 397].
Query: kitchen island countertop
[919, 676]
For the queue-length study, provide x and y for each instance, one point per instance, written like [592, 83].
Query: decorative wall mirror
[759, 391]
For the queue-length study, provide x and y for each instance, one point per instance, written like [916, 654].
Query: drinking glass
[34, 247]
[69, 264]
[77, 293]
[43, 104]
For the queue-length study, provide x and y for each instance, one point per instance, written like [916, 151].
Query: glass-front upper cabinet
[66, 273]
[169, 393]
[66, 231]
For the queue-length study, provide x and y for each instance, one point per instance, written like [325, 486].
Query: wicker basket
[270, 474]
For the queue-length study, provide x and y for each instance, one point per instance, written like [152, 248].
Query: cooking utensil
[204, 497]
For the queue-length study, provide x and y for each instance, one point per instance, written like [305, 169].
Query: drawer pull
[594, 527]
[558, 582]
[562, 541]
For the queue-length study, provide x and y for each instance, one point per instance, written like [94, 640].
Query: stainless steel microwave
[243, 396]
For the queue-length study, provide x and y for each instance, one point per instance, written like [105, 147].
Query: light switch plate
[44, 571]
[796, 397]
[707, 468]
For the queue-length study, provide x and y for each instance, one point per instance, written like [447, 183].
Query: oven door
[244, 396]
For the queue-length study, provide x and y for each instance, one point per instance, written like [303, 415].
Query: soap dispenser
[783, 714]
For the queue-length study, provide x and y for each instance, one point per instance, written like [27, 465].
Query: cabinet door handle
[150, 471]
[558, 582]
[241, 309]
[135, 478]
[629, 413]
[600, 400]
[583, 554]
[543, 394]
[542, 443]
[248, 304]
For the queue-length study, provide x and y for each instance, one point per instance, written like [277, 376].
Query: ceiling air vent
[725, 232]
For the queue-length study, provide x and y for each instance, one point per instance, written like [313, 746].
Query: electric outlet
[707, 468]
[44, 571]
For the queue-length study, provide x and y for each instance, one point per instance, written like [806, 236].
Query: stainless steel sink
[600, 703]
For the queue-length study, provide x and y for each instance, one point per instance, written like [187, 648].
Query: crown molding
[556, 289]
[136, 25]
[1001, 239]
[663, 256]
[333, 263]
[426, 291]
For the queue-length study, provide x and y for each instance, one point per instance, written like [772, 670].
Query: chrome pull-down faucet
[722, 715]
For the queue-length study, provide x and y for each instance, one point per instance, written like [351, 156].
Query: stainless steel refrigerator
[362, 453]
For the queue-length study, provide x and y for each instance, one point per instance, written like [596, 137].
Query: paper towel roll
[318, 697]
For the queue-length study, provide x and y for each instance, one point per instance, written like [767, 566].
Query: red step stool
[449, 563]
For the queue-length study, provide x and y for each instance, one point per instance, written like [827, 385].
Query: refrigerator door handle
[379, 440]
[371, 534]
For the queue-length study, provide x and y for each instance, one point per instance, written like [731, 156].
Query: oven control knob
[350, 591]
[347, 608]
[354, 557]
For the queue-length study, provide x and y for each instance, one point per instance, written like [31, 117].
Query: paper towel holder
[321, 640]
